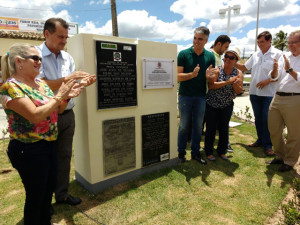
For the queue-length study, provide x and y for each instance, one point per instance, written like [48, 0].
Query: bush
[291, 209]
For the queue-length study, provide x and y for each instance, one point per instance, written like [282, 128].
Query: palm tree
[280, 40]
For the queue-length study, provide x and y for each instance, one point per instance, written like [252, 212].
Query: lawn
[241, 191]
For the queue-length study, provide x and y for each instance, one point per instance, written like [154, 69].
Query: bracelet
[65, 101]
[60, 99]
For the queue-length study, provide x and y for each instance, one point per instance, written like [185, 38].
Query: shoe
[70, 200]
[211, 158]
[254, 145]
[229, 148]
[182, 159]
[199, 159]
[269, 152]
[51, 210]
[275, 161]
[285, 168]
[224, 157]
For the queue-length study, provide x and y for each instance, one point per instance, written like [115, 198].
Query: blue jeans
[190, 109]
[260, 105]
[217, 118]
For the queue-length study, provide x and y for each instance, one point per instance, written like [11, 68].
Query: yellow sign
[9, 23]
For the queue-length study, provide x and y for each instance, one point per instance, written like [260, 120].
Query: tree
[280, 40]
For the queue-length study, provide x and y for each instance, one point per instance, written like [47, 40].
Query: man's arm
[241, 66]
[181, 76]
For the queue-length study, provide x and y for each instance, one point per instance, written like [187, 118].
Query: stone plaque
[119, 145]
[158, 73]
[155, 138]
[116, 74]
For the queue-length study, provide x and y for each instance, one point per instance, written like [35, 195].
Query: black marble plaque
[116, 74]
[155, 138]
[119, 145]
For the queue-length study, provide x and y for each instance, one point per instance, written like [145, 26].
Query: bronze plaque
[119, 145]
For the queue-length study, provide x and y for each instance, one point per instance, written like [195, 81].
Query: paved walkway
[241, 103]
[3, 122]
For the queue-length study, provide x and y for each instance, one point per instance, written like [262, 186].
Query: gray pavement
[240, 105]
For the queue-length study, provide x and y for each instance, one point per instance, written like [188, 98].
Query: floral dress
[20, 128]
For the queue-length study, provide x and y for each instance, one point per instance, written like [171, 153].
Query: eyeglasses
[35, 58]
[293, 42]
[229, 57]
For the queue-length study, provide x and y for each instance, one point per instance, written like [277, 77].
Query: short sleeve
[249, 63]
[180, 59]
[10, 91]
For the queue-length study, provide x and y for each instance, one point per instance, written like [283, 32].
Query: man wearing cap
[285, 107]
[192, 64]
[262, 88]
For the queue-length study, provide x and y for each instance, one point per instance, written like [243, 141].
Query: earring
[20, 67]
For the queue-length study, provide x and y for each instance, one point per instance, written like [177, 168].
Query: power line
[84, 10]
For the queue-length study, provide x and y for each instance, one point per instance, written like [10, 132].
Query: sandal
[224, 157]
[211, 158]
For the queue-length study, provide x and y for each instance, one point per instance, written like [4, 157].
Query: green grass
[241, 191]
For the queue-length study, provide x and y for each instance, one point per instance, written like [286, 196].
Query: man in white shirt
[285, 107]
[262, 88]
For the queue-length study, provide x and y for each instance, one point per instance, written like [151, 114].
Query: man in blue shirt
[58, 67]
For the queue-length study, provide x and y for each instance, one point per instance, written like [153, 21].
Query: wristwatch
[289, 70]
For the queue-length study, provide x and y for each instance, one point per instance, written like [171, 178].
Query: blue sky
[171, 21]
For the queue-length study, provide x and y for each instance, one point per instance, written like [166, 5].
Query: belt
[286, 93]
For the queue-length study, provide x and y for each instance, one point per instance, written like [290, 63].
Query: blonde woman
[31, 109]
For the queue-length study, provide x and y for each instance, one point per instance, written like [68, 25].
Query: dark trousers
[217, 118]
[37, 166]
[66, 127]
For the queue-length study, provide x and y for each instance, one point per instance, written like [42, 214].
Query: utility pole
[114, 18]
[257, 25]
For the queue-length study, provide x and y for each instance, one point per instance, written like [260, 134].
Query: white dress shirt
[286, 83]
[261, 64]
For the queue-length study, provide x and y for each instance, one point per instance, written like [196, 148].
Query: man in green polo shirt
[192, 65]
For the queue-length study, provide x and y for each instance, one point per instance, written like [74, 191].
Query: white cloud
[132, 0]
[139, 24]
[37, 9]
[248, 42]
[192, 10]
[95, 2]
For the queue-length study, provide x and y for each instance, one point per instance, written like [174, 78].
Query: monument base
[102, 185]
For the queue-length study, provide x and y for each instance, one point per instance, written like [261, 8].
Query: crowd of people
[40, 83]
[274, 95]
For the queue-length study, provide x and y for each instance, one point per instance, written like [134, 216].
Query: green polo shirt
[188, 59]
